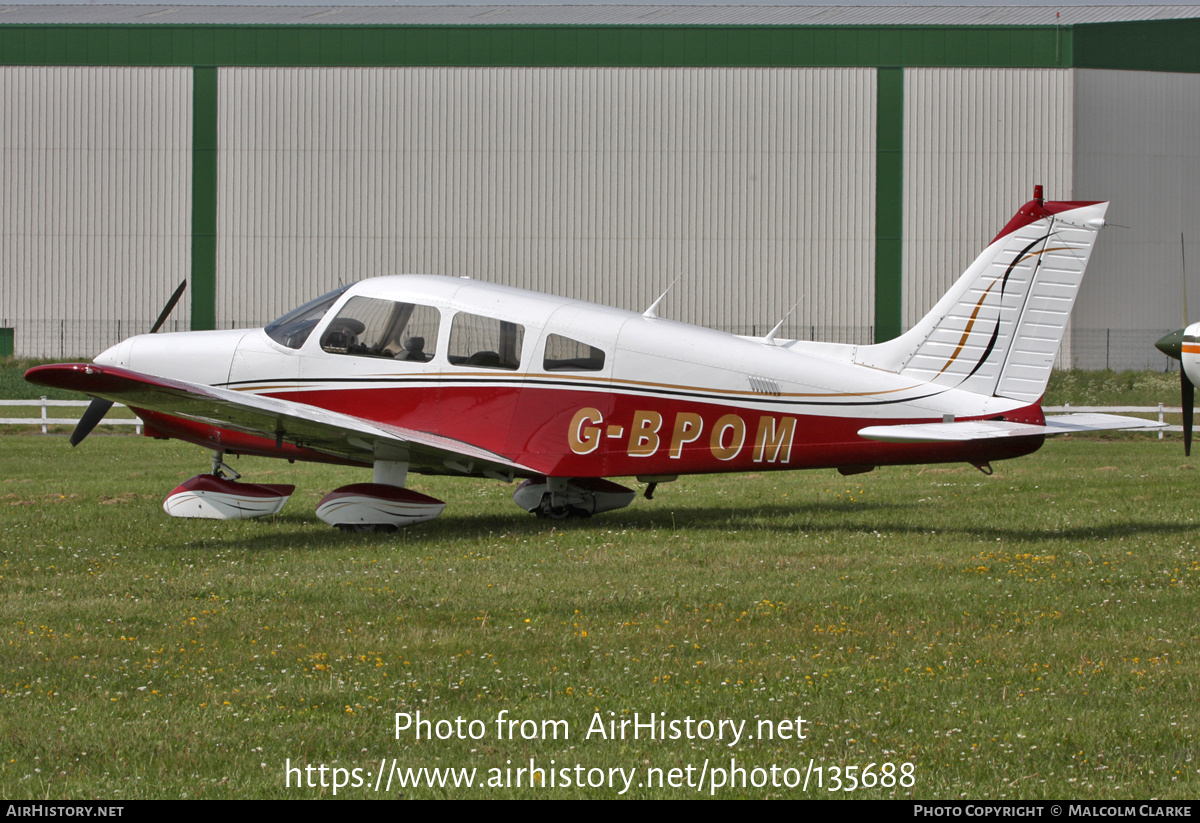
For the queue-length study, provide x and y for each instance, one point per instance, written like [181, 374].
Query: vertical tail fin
[997, 331]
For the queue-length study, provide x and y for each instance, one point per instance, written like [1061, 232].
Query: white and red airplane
[1184, 345]
[440, 375]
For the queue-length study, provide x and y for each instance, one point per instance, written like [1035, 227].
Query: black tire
[548, 512]
[367, 528]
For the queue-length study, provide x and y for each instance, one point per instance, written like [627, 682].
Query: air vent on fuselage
[763, 385]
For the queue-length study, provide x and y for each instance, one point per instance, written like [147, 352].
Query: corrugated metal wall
[95, 199]
[976, 141]
[755, 186]
[1137, 145]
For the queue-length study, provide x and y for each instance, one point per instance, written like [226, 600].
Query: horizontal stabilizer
[990, 429]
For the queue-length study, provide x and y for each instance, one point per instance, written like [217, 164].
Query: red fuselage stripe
[580, 433]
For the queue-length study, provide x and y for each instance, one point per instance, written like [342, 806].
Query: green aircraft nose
[1171, 344]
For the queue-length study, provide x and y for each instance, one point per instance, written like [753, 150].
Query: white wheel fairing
[377, 504]
[208, 497]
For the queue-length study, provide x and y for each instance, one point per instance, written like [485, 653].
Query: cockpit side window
[370, 327]
[293, 328]
[565, 354]
[485, 342]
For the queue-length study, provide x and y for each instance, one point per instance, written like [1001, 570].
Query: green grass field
[942, 634]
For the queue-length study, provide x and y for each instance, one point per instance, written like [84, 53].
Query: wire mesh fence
[76, 339]
[855, 335]
[1119, 350]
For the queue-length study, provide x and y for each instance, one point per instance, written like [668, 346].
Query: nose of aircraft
[197, 357]
[1171, 344]
[117, 355]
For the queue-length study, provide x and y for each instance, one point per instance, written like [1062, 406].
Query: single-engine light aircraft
[1184, 345]
[441, 375]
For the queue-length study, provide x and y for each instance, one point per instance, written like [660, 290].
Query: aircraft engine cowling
[581, 497]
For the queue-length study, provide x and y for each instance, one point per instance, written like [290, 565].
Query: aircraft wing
[989, 429]
[311, 427]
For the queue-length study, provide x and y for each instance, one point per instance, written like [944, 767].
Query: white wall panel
[976, 141]
[1137, 145]
[755, 186]
[95, 189]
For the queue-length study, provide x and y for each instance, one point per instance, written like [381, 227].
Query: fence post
[43, 414]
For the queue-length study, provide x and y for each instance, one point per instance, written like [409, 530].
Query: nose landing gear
[218, 496]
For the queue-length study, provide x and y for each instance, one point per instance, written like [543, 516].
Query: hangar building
[848, 161]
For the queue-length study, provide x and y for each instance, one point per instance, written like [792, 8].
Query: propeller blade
[1188, 391]
[166, 312]
[91, 416]
[1183, 272]
[99, 407]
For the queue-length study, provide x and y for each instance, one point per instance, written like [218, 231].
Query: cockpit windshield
[293, 328]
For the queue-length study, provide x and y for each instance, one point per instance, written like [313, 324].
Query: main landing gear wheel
[368, 528]
[581, 497]
[546, 510]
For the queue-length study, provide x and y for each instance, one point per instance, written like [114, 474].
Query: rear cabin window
[565, 354]
[370, 327]
[485, 342]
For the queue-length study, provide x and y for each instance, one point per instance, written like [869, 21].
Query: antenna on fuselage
[770, 338]
[653, 310]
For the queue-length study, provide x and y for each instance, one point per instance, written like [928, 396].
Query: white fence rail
[45, 421]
